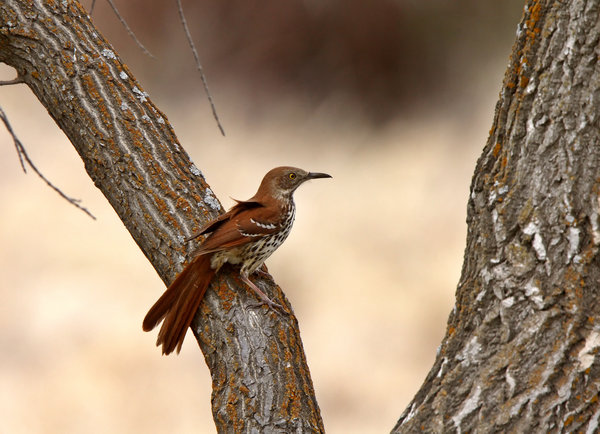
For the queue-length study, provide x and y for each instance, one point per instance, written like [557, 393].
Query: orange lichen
[226, 295]
[574, 282]
[519, 59]
[238, 423]
[162, 207]
[103, 68]
[291, 404]
[534, 17]
[181, 203]
[68, 64]
[497, 148]
[94, 93]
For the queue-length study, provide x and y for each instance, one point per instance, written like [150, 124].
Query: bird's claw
[275, 307]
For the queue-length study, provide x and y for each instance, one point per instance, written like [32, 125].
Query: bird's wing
[214, 224]
[241, 228]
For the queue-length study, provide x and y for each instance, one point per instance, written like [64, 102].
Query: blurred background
[393, 98]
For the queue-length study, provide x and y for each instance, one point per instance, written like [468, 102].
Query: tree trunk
[261, 382]
[520, 349]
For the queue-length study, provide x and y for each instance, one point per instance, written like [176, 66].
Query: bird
[246, 235]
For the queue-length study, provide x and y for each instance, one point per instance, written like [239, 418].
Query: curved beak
[315, 175]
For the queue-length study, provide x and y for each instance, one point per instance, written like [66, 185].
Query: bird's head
[281, 182]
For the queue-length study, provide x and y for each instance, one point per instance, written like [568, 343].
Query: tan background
[370, 267]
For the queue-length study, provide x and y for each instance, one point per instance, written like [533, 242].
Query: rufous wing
[214, 224]
[244, 227]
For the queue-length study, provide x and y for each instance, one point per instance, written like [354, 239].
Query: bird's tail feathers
[179, 304]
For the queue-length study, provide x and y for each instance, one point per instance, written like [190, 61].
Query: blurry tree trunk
[261, 382]
[520, 351]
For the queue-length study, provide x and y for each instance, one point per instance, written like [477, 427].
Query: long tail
[179, 304]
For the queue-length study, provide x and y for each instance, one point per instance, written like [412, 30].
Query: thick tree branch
[261, 380]
[521, 348]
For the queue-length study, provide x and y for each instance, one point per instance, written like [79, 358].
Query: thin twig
[16, 80]
[23, 157]
[18, 145]
[139, 44]
[92, 7]
[199, 66]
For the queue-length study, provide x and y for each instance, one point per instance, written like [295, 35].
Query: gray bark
[261, 382]
[520, 351]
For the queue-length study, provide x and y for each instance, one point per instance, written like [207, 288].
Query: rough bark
[520, 351]
[261, 382]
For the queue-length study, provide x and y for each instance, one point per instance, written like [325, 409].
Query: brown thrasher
[247, 234]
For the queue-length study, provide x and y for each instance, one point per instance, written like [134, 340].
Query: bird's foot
[275, 307]
[263, 272]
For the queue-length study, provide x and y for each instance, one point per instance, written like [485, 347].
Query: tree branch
[199, 65]
[23, 157]
[126, 26]
[521, 347]
[259, 371]
[17, 80]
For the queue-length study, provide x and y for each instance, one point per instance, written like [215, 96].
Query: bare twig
[199, 66]
[124, 23]
[16, 80]
[18, 144]
[92, 7]
[23, 157]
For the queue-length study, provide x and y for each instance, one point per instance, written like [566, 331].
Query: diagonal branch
[18, 146]
[199, 65]
[23, 157]
[124, 23]
[261, 381]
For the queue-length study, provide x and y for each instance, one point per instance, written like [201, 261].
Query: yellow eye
[292, 175]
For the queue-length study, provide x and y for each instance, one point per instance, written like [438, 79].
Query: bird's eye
[292, 175]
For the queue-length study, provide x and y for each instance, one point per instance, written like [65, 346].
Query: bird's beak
[315, 175]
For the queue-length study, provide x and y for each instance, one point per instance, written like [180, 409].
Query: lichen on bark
[520, 350]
